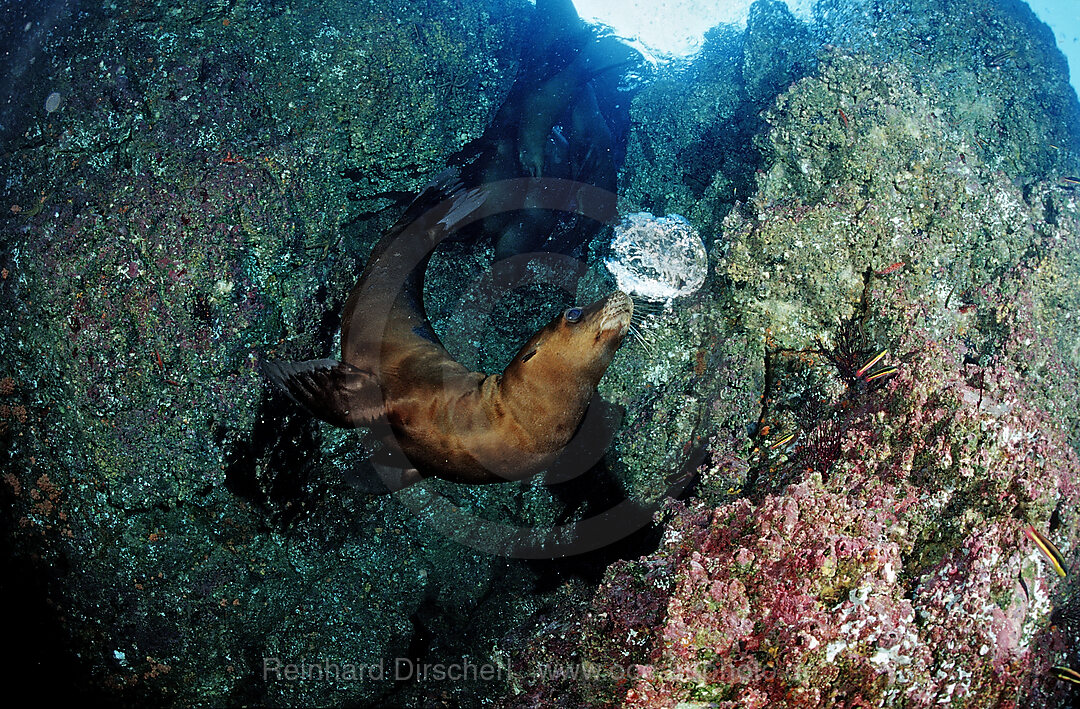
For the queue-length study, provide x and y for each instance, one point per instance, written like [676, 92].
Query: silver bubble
[657, 258]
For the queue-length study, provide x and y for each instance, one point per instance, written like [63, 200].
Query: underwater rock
[898, 575]
[693, 382]
[779, 49]
[869, 545]
[683, 138]
[184, 206]
[209, 185]
[992, 63]
[692, 149]
[429, 82]
[879, 198]
[692, 152]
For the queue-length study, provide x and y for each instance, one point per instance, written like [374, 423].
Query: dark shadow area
[272, 468]
[39, 654]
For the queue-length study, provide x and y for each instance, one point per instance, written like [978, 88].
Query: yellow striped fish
[1057, 561]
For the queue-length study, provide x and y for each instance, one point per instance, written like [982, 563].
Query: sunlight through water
[672, 28]
[676, 28]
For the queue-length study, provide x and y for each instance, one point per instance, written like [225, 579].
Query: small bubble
[52, 102]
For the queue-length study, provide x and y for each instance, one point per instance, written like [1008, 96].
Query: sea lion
[433, 416]
[542, 108]
[552, 124]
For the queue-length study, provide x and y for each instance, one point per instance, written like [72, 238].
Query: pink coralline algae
[797, 598]
[901, 578]
[878, 557]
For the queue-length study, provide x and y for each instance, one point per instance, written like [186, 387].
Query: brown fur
[436, 418]
[471, 428]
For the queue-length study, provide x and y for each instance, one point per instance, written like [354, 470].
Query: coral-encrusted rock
[796, 597]
[900, 577]
[880, 558]
[881, 587]
[993, 63]
[203, 194]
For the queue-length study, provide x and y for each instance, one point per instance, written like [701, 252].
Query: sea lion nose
[619, 303]
[617, 312]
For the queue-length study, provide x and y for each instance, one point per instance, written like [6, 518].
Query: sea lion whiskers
[639, 319]
[645, 311]
[645, 307]
[639, 337]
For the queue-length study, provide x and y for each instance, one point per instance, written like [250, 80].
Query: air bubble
[657, 258]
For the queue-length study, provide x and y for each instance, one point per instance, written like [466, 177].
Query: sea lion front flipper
[374, 478]
[333, 391]
[396, 478]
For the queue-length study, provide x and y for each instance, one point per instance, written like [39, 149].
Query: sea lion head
[565, 359]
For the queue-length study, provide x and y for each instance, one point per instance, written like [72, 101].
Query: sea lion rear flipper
[443, 204]
[443, 207]
[333, 391]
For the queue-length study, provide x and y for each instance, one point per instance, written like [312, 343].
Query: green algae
[911, 199]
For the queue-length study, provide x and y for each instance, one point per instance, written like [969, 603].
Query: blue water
[677, 27]
[1063, 16]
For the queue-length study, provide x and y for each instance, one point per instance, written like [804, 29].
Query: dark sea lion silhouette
[551, 124]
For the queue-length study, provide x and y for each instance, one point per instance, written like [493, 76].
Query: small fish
[844, 118]
[879, 374]
[1057, 561]
[784, 441]
[1065, 673]
[870, 363]
[999, 59]
[1023, 585]
[1071, 180]
[892, 267]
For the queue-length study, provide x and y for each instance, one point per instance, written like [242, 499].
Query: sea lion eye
[572, 315]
